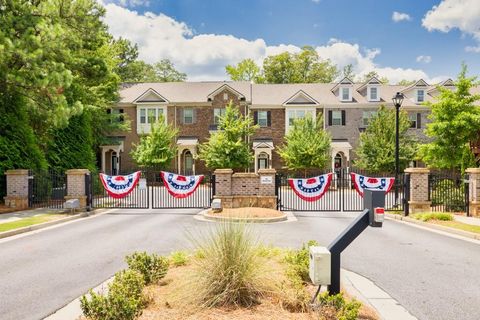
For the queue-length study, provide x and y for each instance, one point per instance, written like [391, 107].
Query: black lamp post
[397, 102]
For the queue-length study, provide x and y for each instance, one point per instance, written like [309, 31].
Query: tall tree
[372, 74]
[245, 70]
[454, 125]
[303, 67]
[165, 72]
[406, 83]
[376, 149]
[348, 72]
[227, 147]
[158, 148]
[307, 145]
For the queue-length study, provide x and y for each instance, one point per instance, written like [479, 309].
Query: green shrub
[152, 267]
[298, 261]
[178, 258]
[229, 271]
[124, 300]
[449, 194]
[268, 251]
[442, 216]
[341, 309]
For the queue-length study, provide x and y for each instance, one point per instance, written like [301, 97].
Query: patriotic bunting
[362, 182]
[120, 186]
[311, 189]
[180, 186]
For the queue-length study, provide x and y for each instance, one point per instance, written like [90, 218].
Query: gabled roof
[300, 98]
[373, 80]
[150, 96]
[225, 87]
[419, 83]
[344, 81]
[446, 83]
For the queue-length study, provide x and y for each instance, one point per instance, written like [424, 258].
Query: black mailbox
[374, 201]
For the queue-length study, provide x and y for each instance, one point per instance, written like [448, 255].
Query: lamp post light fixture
[397, 102]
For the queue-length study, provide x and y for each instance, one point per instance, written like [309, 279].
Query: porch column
[474, 191]
[103, 159]
[418, 190]
[17, 189]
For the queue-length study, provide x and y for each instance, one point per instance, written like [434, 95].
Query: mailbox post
[372, 215]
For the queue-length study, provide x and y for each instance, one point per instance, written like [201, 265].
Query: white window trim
[341, 118]
[144, 128]
[416, 95]
[369, 93]
[266, 118]
[340, 93]
[183, 120]
[312, 110]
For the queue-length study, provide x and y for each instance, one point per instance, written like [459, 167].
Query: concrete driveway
[432, 275]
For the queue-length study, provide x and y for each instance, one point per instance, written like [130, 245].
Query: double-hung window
[294, 114]
[367, 115]
[188, 116]
[373, 94]
[147, 116]
[336, 117]
[420, 95]
[345, 94]
[217, 113]
[262, 118]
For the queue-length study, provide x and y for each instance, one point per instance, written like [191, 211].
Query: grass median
[445, 219]
[30, 221]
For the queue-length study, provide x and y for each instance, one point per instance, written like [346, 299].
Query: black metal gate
[149, 193]
[341, 195]
[46, 189]
[448, 192]
[201, 198]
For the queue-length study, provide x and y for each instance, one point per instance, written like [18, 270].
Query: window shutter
[343, 117]
[419, 120]
[269, 119]
[255, 117]
[330, 117]
[180, 115]
[194, 115]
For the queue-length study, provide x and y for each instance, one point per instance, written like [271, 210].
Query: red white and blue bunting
[180, 186]
[361, 182]
[311, 189]
[120, 186]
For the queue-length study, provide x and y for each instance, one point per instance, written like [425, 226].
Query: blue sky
[427, 39]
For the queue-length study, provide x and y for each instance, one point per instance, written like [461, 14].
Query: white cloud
[424, 59]
[455, 14]
[204, 56]
[130, 3]
[316, 1]
[400, 16]
[472, 49]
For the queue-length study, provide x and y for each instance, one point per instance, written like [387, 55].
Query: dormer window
[373, 94]
[345, 94]
[420, 95]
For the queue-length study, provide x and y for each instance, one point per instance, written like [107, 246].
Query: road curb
[43, 225]
[457, 232]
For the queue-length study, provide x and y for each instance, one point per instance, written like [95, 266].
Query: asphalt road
[432, 275]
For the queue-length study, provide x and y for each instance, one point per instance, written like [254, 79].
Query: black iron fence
[448, 192]
[341, 194]
[46, 189]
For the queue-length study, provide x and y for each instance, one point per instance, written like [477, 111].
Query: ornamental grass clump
[229, 272]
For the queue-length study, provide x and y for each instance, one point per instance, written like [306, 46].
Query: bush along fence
[423, 190]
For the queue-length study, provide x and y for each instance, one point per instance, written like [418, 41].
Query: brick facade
[418, 190]
[17, 189]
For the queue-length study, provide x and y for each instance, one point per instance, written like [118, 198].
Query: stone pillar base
[269, 202]
[419, 206]
[81, 199]
[17, 202]
[474, 208]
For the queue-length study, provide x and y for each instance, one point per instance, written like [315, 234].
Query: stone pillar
[267, 182]
[474, 191]
[17, 189]
[223, 182]
[418, 190]
[76, 188]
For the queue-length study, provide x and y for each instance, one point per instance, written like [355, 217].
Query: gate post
[17, 189]
[419, 191]
[76, 186]
[474, 191]
[223, 186]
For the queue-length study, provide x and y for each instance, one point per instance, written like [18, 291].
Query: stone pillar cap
[473, 170]
[267, 171]
[77, 171]
[417, 170]
[18, 172]
[223, 171]
[245, 174]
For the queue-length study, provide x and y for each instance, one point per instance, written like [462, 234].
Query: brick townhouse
[194, 108]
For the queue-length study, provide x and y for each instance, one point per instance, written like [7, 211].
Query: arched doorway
[187, 163]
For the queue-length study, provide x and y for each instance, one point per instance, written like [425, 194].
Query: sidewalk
[474, 221]
[18, 215]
